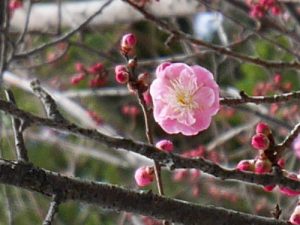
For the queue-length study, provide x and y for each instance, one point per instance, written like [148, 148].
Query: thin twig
[219, 49]
[157, 169]
[290, 138]
[260, 99]
[63, 37]
[22, 36]
[53, 209]
[4, 27]
[21, 150]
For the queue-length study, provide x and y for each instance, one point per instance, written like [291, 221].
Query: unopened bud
[165, 145]
[144, 176]
[262, 128]
[128, 42]
[260, 141]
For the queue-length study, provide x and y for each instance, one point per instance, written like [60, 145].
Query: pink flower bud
[97, 81]
[96, 68]
[77, 78]
[260, 141]
[296, 146]
[269, 187]
[262, 166]
[130, 110]
[281, 163]
[245, 165]
[194, 175]
[277, 79]
[262, 128]
[14, 4]
[285, 190]
[144, 78]
[144, 176]
[95, 117]
[295, 217]
[165, 145]
[276, 10]
[79, 67]
[128, 42]
[162, 67]
[180, 174]
[121, 74]
[147, 98]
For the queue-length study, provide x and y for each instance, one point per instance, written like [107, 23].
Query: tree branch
[260, 99]
[219, 49]
[172, 161]
[120, 199]
[52, 210]
[21, 150]
[63, 37]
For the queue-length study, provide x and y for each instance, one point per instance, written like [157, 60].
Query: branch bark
[172, 161]
[120, 199]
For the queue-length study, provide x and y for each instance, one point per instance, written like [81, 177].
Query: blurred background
[77, 69]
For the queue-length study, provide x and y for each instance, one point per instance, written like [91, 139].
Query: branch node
[48, 102]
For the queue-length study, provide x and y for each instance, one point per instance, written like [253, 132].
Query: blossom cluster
[259, 8]
[96, 71]
[263, 143]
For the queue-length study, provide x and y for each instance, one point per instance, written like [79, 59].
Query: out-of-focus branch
[44, 15]
[64, 36]
[21, 150]
[101, 92]
[48, 102]
[219, 49]
[172, 161]
[52, 210]
[260, 99]
[120, 199]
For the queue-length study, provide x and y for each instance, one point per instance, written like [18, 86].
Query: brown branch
[172, 161]
[260, 99]
[120, 199]
[221, 50]
[21, 150]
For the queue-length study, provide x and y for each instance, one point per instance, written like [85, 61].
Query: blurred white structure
[44, 16]
[208, 24]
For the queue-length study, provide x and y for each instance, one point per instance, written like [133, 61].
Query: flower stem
[157, 169]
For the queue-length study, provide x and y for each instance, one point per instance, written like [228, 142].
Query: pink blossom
[144, 176]
[184, 98]
[295, 217]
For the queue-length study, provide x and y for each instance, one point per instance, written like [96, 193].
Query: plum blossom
[184, 98]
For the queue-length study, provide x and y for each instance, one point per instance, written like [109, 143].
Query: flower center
[182, 96]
